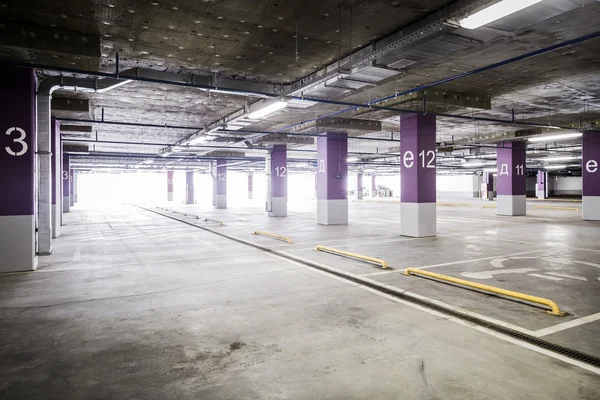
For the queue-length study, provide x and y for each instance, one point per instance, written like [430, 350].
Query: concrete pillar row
[221, 185]
[332, 178]
[591, 176]
[418, 183]
[511, 186]
[44, 182]
[541, 186]
[250, 186]
[170, 182]
[72, 187]
[56, 160]
[358, 193]
[373, 186]
[276, 170]
[189, 188]
[18, 131]
[66, 183]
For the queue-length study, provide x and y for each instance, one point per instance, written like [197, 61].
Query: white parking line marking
[456, 262]
[492, 273]
[567, 325]
[550, 278]
[580, 278]
[588, 263]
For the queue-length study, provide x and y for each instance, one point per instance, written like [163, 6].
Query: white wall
[565, 186]
[455, 185]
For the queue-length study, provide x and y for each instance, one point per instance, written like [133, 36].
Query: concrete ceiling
[383, 47]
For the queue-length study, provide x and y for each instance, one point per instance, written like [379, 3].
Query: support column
[250, 186]
[373, 186]
[66, 185]
[332, 167]
[276, 168]
[170, 181]
[358, 193]
[189, 187]
[418, 183]
[542, 179]
[213, 174]
[72, 186]
[221, 183]
[18, 132]
[44, 159]
[511, 181]
[591, 176]
[488, 181]
[477, 182]
[56, 179]
[75, 175]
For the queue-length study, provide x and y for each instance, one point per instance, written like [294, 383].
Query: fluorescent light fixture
[474, 164]
[490, 169]
[495, 12]
[353, 159]
[271, 108]
[150, 161]
[166, 152]
[563, 158]
[555, 166]
[564, 136]
[198, 139]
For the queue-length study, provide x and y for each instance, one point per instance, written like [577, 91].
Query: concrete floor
[135, 305]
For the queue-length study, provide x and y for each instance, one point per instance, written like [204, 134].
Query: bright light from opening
[495, 12]
[271, 108]
[549, 138]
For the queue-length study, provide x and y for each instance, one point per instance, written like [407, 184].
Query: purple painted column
[250, 186]
[276, 165]
[332, 178]
[221, 177]
[488, 181]
[542, 181]
[56, 178]
[418, 178]
[189, 187]
[66, 183]
[591, 176]
[373, 186]
[170, 182]
[358, 193]
[511, 181]
[18, 132]
[72, 187]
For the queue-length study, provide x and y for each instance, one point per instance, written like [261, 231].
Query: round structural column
[591, 176]
[542, 184]
[332, 178]
[18, 132]
[418, 182]
[72, 186]
[66, 183]
[276, 166]
[373, 186]
[511, 181]
[56, 178]
[250, 186]
[189, 187]
[221, 184]
[170, 182]
[358, 193]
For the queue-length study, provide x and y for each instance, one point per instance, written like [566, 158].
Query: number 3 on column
[20, 140]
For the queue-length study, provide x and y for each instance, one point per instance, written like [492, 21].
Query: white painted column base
[541, 194]
[418, 219]
[169, 196]
[17, 243]
[55, 210]
[590, 208]
[190, 202]
[66, 203]
[221, 202]
[332, 212]
[511, 205]
[250, 195]
[358, 195]
[278, 207]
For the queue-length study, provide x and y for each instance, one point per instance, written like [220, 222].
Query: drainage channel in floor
[543, 344]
